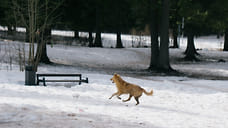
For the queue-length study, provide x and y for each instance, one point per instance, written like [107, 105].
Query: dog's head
[114, 78]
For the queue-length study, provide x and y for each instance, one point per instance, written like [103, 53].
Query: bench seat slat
[61, 80]
[50, 75]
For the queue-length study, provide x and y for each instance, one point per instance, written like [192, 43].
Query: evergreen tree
[117, 18]
[8, 16]
[99, 14]
[217, 19]
[175, 21]
[195, 14]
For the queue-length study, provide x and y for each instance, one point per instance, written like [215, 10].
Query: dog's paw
[124, 100]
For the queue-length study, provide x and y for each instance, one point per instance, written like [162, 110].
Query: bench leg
[37, 80]
[87, 80]
[44, 82]
[80, 80]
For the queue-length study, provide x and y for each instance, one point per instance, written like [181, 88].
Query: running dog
[124, 87]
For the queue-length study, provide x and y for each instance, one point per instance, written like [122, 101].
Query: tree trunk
[47, 40]
[175, 35]
[154, 36]
[27, 35]
[76, 34]
[10, 30]
[191, 50]
[175, 27]
[44, 58]
[226, 41]
[47, 35]
[41, 52]
[164, 64]
[90, 39]
[118, 40]
[39, 49]
[98, 42]
[14, 32]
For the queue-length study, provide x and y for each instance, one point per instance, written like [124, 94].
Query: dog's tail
[148, 93]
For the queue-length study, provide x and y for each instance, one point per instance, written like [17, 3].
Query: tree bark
[41, 52]
[44, 58]
[98, 42]
[118, 40]
[191, 50]
[164, 64]
[47, 40]
[175, 35]
[90, 39]
[10, 30]
[47, 35]
[27, 35]
[76, 34]
[226, 41]
[154, 36]
[175, 25]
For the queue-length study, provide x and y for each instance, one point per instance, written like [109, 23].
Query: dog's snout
[112, 80]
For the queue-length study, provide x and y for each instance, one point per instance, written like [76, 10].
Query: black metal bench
[79, 80]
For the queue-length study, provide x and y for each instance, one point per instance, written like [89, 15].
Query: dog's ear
[116, 75]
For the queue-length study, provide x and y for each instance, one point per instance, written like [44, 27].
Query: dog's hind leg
[128, 98]
[137, 100]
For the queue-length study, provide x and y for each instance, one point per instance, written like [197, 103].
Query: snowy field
[178, 102]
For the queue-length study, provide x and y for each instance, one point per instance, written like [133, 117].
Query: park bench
[76, 78]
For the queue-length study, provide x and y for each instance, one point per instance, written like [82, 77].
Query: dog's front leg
[113, 95]
[118, 97]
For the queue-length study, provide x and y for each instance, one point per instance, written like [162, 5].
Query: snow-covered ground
[178, 102]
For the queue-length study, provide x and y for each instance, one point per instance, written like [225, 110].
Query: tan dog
[124, 87]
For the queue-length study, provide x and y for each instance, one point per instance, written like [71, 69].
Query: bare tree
[37, 16]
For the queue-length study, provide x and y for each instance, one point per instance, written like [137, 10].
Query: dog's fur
[124, 87]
